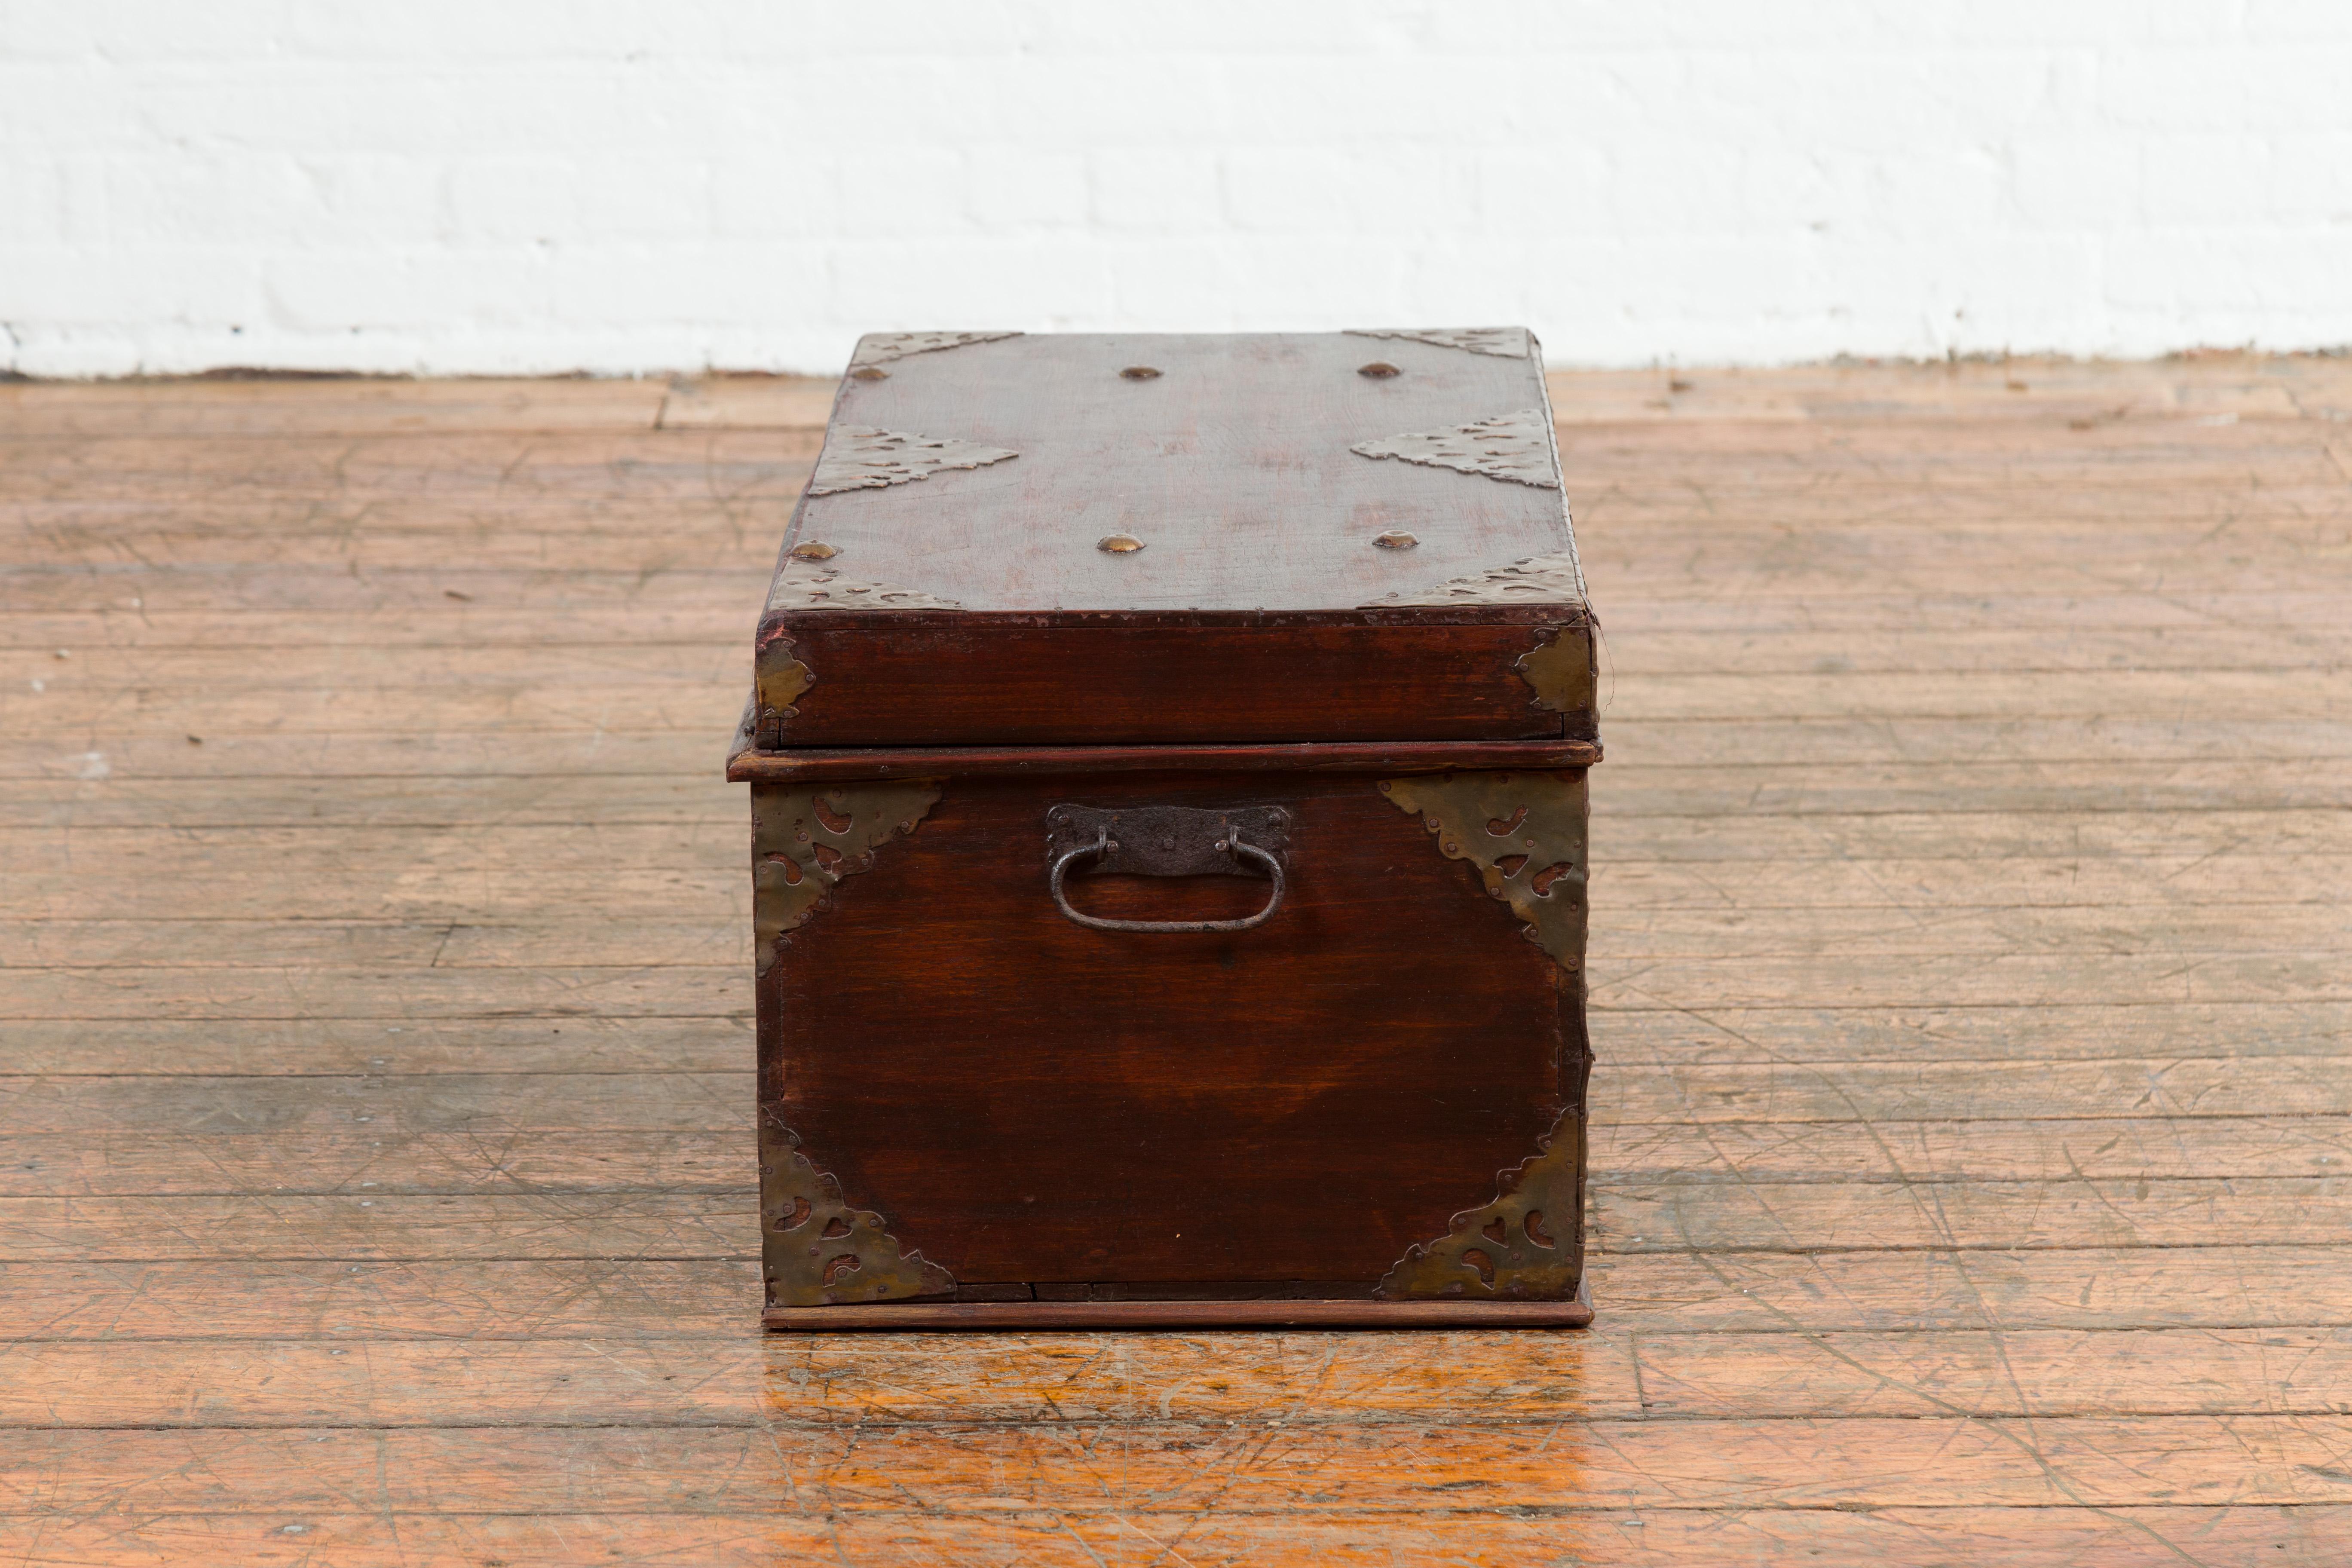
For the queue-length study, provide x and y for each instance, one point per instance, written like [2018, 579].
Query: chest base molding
[938, 1316]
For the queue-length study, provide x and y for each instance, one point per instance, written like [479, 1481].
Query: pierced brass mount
[818, 1250]
[1526, 1244]
[806, 838]
[1526, 834]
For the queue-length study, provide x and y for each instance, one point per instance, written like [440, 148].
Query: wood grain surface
[1971, 1117]
[1028, 1102]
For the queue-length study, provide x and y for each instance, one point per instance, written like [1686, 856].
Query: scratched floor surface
[1971, 944]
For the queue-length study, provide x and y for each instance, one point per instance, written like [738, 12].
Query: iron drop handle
[1231, 845]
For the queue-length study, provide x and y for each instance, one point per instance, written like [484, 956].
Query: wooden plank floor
[1972, 950]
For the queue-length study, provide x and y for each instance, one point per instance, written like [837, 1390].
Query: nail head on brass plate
[1119, 543]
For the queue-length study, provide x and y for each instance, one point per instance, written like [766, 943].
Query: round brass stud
[1119, 543]
[1379, 370]
[1141, 373]
[814, 550]
[870, 372]
[1395, 538]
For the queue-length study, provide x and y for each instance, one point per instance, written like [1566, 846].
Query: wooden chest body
[1184, 933]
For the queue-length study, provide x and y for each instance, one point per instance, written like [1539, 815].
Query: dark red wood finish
[1029, 1100]
[1199, 571]
[923, 678]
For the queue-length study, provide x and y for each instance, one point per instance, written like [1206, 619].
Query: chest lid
[1135, 539]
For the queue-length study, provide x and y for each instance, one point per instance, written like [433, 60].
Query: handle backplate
[1166, 841]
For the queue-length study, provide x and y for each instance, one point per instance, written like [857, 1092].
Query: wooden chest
[1168, 788]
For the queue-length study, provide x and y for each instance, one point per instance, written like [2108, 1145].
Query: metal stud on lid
[814, 550]
[1141, 373]
[1119, 543]
[1379, 370]
[1395, 538]
[870, 372]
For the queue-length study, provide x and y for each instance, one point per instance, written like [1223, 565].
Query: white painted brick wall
[622, 186]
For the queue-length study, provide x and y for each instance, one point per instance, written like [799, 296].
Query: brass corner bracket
[1526, 834]
[818, 1250]
[778, 682]
[806, 838]
[1528, 1244]
[1560, 670]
